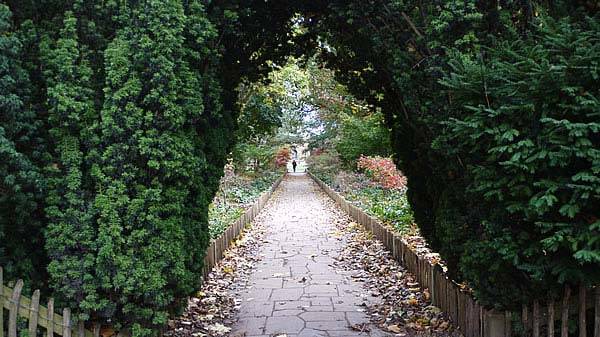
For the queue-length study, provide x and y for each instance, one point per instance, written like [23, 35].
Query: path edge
[217, 247]
[471, 318]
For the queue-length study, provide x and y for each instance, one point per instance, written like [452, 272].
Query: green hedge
[494, 117]
[530, 139]
[117, 118]
[22, 152]
[116, 121]
[120, 185]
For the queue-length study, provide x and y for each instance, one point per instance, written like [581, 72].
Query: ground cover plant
[236, 193]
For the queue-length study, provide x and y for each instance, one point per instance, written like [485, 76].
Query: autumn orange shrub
[383, 171]
[283, 157]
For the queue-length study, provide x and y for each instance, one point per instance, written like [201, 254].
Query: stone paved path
[294, 290]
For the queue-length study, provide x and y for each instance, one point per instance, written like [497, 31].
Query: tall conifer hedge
[116, 119]
[494, 110]
[116, 123]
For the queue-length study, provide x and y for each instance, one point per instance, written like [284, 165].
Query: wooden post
[14, 309]
[462, 310]
[1, 303]
[50, 328]
[507, 324]
[525, 318]
[596, 318]
[536, 318]
[551, 317]
[453, 291]
[493, 324]
[80, 328]
[34, 311]
[97, 330]
[564, 317]
[479, 319]
[469, 317]
[66, 322]
[396, 247]
[432, 292]
[582, 327]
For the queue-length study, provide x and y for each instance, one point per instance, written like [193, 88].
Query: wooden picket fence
[37, 316]
[468, 315]
[214, 252]
[538, 317]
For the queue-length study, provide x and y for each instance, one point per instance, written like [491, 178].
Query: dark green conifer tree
[71, 229]
[152, 194]
[21, 181]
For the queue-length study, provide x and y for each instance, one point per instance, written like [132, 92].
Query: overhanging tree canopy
[139, 99]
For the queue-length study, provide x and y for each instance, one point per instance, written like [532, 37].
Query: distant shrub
[362, 136]
[283, 157]
[383, 171]
[325, 163]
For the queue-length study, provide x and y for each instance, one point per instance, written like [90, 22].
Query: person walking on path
[294, 165]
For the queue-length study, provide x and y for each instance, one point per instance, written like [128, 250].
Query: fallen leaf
[394, 328]
[219, 328]
[413, 301]
[362, 327]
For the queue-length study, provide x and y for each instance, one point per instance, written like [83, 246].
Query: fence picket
[80, 329]
[507, 324]
[462, 304]
[551, 317]
[582, 307]
[396, 251]
[66, 322]
[469, 317]
[525, 318]
[536, 318]
[564, 318]
[34, 311]
[50, 317]
[597, 314]
[14, 309]
[454, 304]
[1, 302]
[431, 284]
[476, 322]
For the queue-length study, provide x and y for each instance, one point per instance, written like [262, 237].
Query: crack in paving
[296, 290]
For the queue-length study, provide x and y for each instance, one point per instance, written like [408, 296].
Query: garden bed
[236, 193]
[388, 205]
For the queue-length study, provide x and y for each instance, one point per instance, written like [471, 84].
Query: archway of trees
[116, 121]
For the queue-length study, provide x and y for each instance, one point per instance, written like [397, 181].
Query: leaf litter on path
[211, 312]
[401, 307]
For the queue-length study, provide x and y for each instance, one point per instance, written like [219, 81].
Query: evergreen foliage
[150, 195]
[117, 118]
[22, 184]
[530, 139]
[137, 139]
[70, 233]
[493, 110]
[362, 135]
